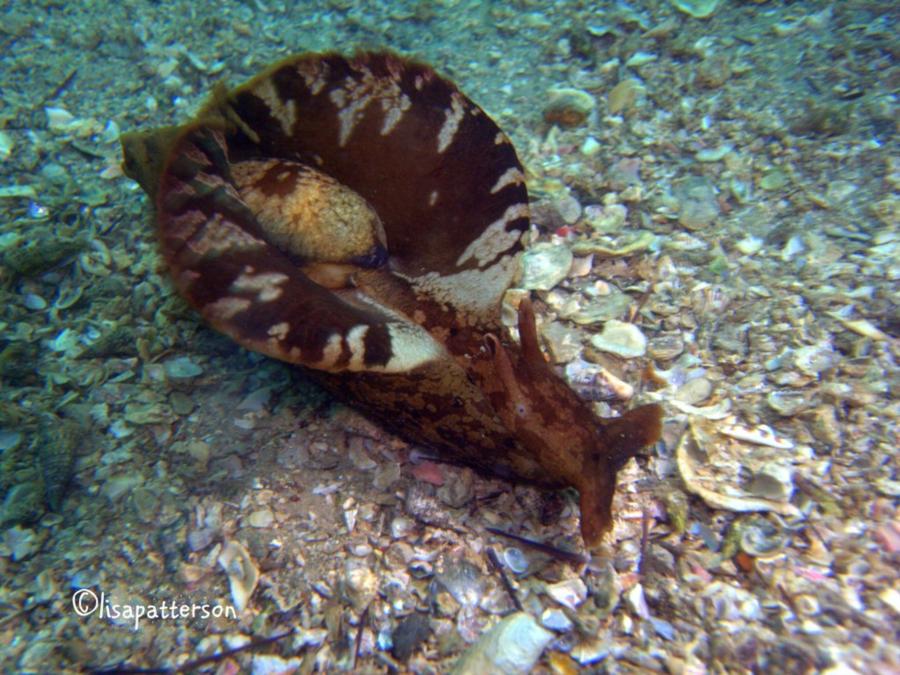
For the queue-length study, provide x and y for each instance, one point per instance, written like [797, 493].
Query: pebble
[699, 9]
[386, 475]
[623, 96]
[788, 403]
[569, 592]
[750, 245]
[269, 664]
[181, 403]
[773, 480]
[9, 439]
[198, 540]
[622, 339]
[590, 147]
[694, 391]
[34, 302]
[596, 309]
[698, 203]
[20, 542]
[59, 119]
[556, 619]
[360, 583]
[640, 59]
[458, 492]
[145, 503]
[813, 359]
[713, 154]
[182, 368]
[665, 347]
[463, 581]
[637, 603]
[569, 209]
[564, 342]
[6, 145]
[261, 518]
[512, 646]
[544, 266]
[568, 107]
[409, 634]
[116, 486]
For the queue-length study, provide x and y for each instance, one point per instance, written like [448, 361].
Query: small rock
[665, 347]
[386, 476]
[814, 359]
[606, 219]
[512, 646]
[20, 543]
[694, 391]
[146, 503]
[409, 634]
[788, 403]
[569, 209]
[261, 518]
[360, 583]
[269, 664]
[773, 480]
[568, 107]
[590, 147]
[34, 302]
[623, 96]
[699, 9]
[622, 339]
[116, 486]
[698, 203]
[198, 540]
[544, 266]
[459, 491]
[556, 619]
[637, 603]
[462, 580]
[182, 368]
[569, 592]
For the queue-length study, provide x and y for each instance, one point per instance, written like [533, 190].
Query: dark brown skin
[560, 430]
[413, 337]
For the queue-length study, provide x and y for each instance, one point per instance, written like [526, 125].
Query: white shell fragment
[717, 468]
[760, 435]
[512, 646]
[242, 573]
[545, 265]
[622, 339]
[569, 592]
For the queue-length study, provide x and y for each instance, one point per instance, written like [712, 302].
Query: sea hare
[361, 218]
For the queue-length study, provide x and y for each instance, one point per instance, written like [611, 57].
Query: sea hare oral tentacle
[361, 218]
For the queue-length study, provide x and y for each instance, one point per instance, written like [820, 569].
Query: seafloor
[715, 227]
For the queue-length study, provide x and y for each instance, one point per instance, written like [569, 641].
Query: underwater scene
[449, 337]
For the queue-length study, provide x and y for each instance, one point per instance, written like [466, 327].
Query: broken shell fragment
[568, 107]
[715, 469]
[760, 435]
[544, 266]
[242, 573]
[761, 538]
[622, 339]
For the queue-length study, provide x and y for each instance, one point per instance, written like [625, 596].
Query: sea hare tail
[623, 438]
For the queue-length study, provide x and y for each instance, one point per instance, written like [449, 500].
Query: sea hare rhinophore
[362, 218]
